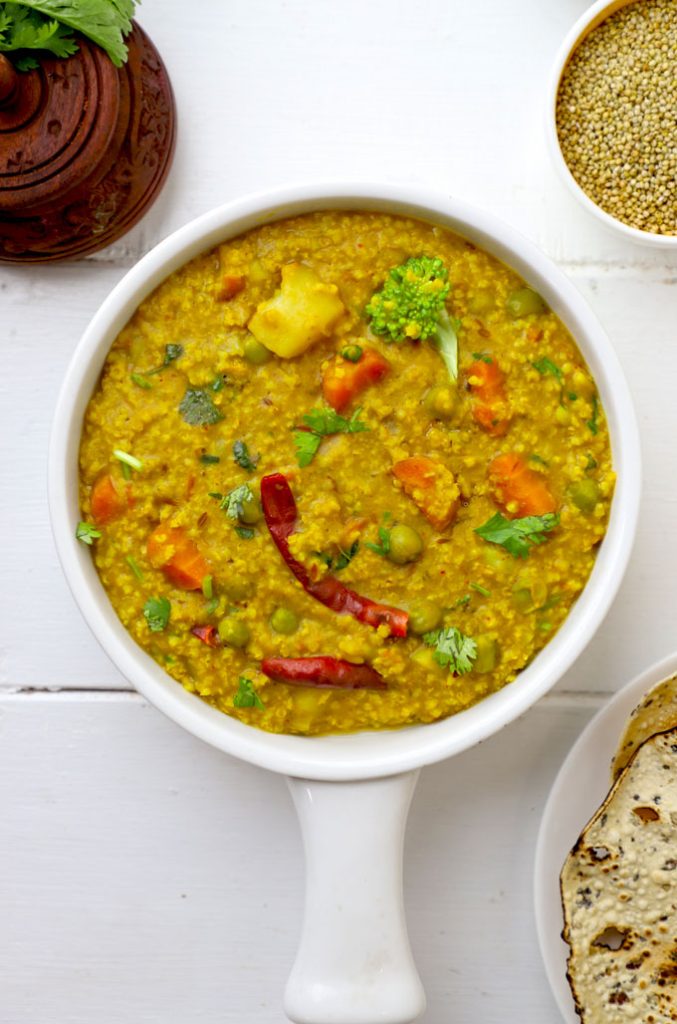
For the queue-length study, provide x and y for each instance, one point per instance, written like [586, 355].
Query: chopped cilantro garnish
[383, 546]
[127, 459]
[231, 503]
[517, 535]
[245, 532]
[140, 381]
[341, 560]
[209, 460]
[462, 602]
[87, 533]
[319, 423]
[480, 590]
[453, 649]
[211, 606]
[198, 409]
[537, 458]
[242, 456]
[172, 352]
[126, 471]
[483, 357]
[592, 422]
[546, 366]
[156, 612]
[219, 383]
[246, 696]
[134, 566]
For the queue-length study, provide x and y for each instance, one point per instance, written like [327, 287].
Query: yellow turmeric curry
[346, 471]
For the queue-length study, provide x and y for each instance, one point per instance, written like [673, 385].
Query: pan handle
[354, 964]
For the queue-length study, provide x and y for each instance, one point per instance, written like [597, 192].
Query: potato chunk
[302, 312]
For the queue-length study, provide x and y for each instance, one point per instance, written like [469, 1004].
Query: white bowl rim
[598, 12]
[381, 752]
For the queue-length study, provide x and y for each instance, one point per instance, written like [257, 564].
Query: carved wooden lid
[84, 149]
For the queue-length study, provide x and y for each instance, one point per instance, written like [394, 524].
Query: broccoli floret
[411, 306]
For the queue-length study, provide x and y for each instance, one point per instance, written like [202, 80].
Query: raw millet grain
[617, 115]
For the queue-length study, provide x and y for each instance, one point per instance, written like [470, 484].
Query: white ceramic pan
[352, 792]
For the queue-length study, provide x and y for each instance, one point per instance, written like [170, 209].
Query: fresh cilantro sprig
[242, 456]
[517, 535]
[49, 25]
[340, 561]
[87, 533]
[453, 649]
[320, 423]
[156, 612]
[246, 696]
[197, 408]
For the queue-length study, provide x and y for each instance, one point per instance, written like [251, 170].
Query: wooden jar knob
[85, 148]
[9, 81]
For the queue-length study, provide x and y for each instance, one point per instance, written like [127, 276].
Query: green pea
[440, 402]
[525, 302]
[234, 632]
[284, 620]
[249, 510]
[424, 616]
[522, 599]
[238, 588]
[585, 495]
[487, 653]
[481, 302]
[405, 544]
[254, 352]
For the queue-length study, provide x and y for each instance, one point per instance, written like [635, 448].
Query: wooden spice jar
[84, 149]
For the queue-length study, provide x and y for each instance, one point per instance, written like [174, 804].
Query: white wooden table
[146, 877]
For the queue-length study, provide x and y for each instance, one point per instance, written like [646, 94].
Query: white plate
[582, 784]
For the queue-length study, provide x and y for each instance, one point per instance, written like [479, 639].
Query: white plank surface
[138, 882]
[149, 878]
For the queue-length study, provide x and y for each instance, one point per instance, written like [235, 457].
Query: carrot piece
[343, 381]
[490, 411]
[170, 549]
[520, 490]
[432, 488]
[231, 285]
[107, 501]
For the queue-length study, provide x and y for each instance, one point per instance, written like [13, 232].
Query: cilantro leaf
[87, 533]
[319, 423]
[242, 457]
[246, 696]
[25, 29]
[232, 502]
[453, 649]
[172, 352]
[198, 409]
[306, 444]
[383, 547]
[105, 22]
[343, 558]
[546, 366]
[245, 532]
[517, 535]
[156, 612]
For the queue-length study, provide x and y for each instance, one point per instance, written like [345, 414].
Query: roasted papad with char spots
[656, 713]
[619, 893]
